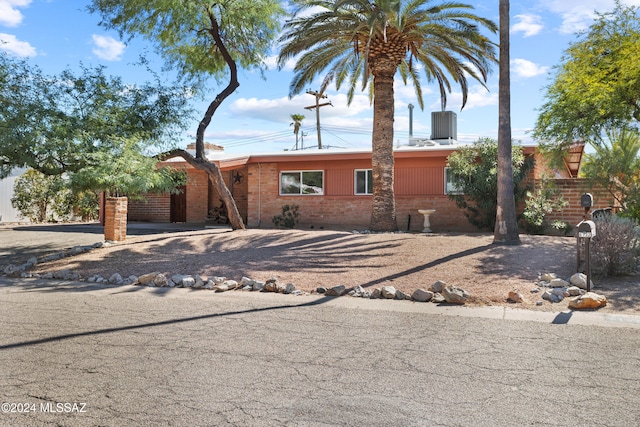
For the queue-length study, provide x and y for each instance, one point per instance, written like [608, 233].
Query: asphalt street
[76, 354]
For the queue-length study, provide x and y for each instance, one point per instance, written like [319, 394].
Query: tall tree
[368, 42]
[296, 123]
[506, 228]
[201, 40]
[57, 124]
[615, 166]
[597, 85]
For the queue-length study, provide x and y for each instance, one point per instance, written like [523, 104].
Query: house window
[450, 186]
[363, 181]
[301, 182]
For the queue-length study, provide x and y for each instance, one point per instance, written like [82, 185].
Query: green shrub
[615, 250]
[289, 217]
[541, 202]
[474, 169]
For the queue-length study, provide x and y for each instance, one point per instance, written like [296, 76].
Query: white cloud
[528, 24]
[477, 97]
[107, 48]
[577, 16]
[10, 16]
[527, 69]
[9, 43]
[279, 110]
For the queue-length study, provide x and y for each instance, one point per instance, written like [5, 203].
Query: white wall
[8, 212]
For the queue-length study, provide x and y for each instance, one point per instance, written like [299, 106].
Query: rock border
[548, 285]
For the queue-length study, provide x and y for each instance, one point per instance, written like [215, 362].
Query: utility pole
[318, 95]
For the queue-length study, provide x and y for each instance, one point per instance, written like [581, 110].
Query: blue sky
[59, 34]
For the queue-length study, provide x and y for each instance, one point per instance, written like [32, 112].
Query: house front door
[178, 212]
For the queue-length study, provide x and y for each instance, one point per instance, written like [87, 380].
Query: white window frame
[366, 182]
[301, 193]
[449, 188]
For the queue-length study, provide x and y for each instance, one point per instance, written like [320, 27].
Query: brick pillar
[115, 221]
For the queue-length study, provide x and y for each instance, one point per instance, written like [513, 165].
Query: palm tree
[297, 122]
[506, 229]
[367, 42]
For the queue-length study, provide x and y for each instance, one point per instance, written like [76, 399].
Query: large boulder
[579, 280]
[590, 300]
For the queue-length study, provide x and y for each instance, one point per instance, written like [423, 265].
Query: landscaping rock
[437, 298]
[579, 280]
[199, 282]
[388, 292]
[559, 283]
[258, 286]
[589, 300]
[402, 296]
[376, 293]
[336, 291]
[148, 278]
[422, 295]
[438, 286]
[161, 280]
[547, 277]
[574, 291]
[453, 295]
[188, 282]
[515, 297]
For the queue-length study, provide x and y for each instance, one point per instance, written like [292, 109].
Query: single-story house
[332, 188]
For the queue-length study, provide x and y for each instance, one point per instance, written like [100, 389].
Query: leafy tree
[474, 168]
[615, 166]
[59, 124]
[367, 42]
[597, 85]
[35, 195]
[506, 229]
[92, 128]
[201, 40]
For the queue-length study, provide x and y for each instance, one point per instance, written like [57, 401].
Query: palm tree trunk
[506, 229]
[383, 214]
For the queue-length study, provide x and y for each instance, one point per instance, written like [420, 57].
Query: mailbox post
[586, 231]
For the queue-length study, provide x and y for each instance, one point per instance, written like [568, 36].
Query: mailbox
[587, 229]
[586, 200]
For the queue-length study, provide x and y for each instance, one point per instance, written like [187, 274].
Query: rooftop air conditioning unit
[444, 126]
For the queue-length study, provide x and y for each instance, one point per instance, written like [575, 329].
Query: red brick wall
[571, 190]
[200, 197]
[197, 195]
[350, 211]
[237, 183]
[156, 208]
